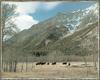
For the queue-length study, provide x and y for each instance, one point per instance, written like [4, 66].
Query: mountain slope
[57, 33]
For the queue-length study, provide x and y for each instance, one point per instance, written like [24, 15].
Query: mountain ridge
[54, 32]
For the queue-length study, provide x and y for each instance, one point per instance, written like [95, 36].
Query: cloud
[51, 5]
[25, 7]
[25, 21]
[32, 7]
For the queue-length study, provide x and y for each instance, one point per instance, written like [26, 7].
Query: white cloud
[51, 5]
[25, 21]
[30, 7]
[25, 7]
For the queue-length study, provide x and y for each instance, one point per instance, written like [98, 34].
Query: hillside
[67, 32]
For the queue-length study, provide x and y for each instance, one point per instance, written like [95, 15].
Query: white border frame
[45, 78]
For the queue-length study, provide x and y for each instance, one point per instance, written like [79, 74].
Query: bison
[54, 63]
[64, 63]
[47, 63]
[40, 63]
[69, 64]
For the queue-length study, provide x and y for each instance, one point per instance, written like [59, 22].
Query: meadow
[59, 70]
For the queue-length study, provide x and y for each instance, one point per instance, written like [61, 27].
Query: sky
[31, 13]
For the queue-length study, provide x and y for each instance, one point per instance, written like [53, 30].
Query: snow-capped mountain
[94, 9]
[64, 27]
[79, 18]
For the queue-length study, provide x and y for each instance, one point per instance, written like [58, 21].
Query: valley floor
[75, 70]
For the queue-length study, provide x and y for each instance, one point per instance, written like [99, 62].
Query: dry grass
[76, 70]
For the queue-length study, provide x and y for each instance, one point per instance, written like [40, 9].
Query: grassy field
[75, 70]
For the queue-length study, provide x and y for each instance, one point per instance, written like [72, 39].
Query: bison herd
[53, 63]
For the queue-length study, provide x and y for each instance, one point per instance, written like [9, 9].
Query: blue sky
[41, 14]
[31, 13]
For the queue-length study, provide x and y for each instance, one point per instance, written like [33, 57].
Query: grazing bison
[40, 63]
[54, 63]
[69, 64]
[64, 63]
[47, 63]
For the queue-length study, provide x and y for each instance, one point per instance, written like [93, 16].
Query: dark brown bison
[64, 63]
[40, 63]
[54, 63]
[69, 64]
[47, 63]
